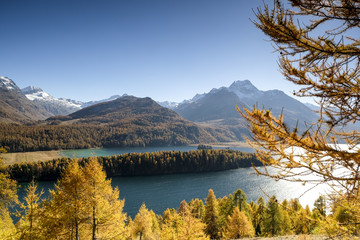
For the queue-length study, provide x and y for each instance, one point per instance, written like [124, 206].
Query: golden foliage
[238, 226]
[325, 64]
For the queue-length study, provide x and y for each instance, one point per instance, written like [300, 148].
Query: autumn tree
[29, 226]
[83, 205]
[106, 210]
[320, 205]
[273, 218]
[170, 225]
[287, 225]
[211, 215]
[238, 226]
[319, 48]
[145, 224]
[191, 228]
[259, 215]
[303, 221]
[66, 212]
[197, 208]
[8, 198]
[226, 207]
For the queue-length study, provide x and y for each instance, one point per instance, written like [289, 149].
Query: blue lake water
[77, 153]
[167, 191]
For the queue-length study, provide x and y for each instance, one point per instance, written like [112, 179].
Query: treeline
[25, 138]
[22, 138]
[83, 205]
[141, 164]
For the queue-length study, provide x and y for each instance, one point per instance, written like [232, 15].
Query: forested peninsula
[141, 164]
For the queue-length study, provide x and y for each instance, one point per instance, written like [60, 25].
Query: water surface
[77, 153]
[167, 191]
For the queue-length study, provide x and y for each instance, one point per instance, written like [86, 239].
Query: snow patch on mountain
[168, 104]
[245, 89]
[33, 93]
[7, 83]
[37, 94]
[87, 104]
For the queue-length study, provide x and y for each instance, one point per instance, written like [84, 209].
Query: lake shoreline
[42, 156]
[24, 157]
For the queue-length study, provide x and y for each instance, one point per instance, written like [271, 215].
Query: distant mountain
[312, 106]
[59, 106]
[56, 106]
[87, 104]
[167, 104]
[218, 106]
[174, 105]
[126, 107]
[15, 107]
[143, 118]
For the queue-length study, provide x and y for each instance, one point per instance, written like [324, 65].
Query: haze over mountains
[219, 105]
[213, 112]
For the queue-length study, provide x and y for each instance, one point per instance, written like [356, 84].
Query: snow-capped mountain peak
[36, 93]
[168, 104]
[244, 89]
[31, 90]
[7, 83]
[54, 105]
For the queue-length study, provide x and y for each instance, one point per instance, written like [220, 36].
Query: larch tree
[211, 215]
[170, 225]
[320, 205]
[83, 205]
[66, 212]
[259, 216]
[319, 51]
[238, 226]
[28, 226]
[240, 200]
[197, 208]
[273, 218]
[8, 198]
[106, 209]
[145, 226]
[226, 207]
[191, 228]
[287, 225]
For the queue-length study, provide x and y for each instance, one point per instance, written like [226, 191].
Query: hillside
[127, 107]
[56, 106]
[15, 107]
[126, 121]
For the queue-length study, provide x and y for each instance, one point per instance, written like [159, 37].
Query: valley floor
[12, 158]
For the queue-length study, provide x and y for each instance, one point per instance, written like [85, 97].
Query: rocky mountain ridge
[219, 105]
[15, 107]
[215, 108]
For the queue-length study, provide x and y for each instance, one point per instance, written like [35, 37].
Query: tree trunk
[94, 226]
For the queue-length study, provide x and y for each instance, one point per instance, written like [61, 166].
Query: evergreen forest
[133, 133]
[140, 164]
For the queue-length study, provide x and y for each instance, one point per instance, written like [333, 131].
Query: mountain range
[58, 106]
[219, 105]
[211, 115]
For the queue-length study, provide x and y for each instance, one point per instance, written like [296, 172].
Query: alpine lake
[167, 191]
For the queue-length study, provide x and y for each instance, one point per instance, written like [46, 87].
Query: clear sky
[164, 49]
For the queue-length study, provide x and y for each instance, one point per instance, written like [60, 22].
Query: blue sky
[163, 49]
